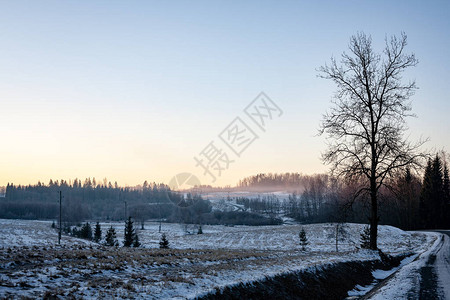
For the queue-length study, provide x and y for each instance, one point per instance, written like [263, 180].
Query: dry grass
[81, 271]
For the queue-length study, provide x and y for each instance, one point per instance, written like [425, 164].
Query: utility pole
[60, 217]
[125, 229]
[160, 217]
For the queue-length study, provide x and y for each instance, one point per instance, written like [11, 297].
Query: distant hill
[273, 182]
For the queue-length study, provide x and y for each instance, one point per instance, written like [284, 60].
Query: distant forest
[90, 200]
[291, 182]
[408, 202]
[264, 182]
[86, 200]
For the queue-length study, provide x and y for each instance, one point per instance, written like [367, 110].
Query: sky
[134, 90]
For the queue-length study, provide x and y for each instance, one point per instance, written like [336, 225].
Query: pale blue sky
[133, 90]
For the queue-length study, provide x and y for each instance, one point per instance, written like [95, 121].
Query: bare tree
[366, 123]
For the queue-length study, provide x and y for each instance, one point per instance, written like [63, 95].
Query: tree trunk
[373, 216]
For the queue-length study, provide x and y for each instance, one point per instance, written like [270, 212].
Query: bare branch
[367, 121]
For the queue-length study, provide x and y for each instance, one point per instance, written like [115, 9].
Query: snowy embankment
[196, 264]
[406, 282]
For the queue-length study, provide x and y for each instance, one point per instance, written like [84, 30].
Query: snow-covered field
[320, 236]
[18, 233]
[32, 264]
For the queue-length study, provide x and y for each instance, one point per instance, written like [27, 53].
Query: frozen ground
[34, 265]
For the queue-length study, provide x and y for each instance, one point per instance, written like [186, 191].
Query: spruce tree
[136, 242]
[432, 197]
[97, 233]
[163, 243]
[129, 233]
[86, 231]
[200, 230]
[446, 192]
[303, 239]
[365, 238]
[425, 197]
[111, 239]
[438, 193]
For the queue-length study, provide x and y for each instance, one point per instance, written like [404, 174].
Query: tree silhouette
[97, 233]
[446, 191]
[86, 231]
[136, 242]
[130, 233]
[433, 205]
[303, 239]
[365, 238]
[366, 123]
[164, 243]
[111, 239]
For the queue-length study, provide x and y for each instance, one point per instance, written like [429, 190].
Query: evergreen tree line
[131, 238]
[108, 202]
[86, 200]
[434, 204]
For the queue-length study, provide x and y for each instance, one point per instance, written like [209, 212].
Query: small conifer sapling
[164, 243]
[97, 233]
[365, 238]
[303, 239]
